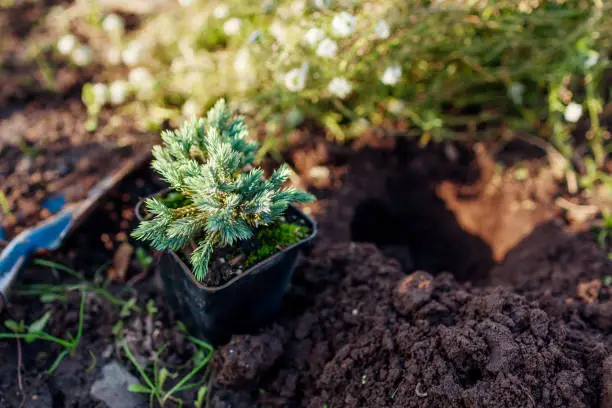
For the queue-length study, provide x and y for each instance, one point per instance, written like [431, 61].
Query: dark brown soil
[357, 333]
[46, 153]
[449, 204]
[356, 330]
[439, 279]
[229, 263]
[89, 250]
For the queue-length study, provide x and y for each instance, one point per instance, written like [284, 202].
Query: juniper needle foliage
[205, 161]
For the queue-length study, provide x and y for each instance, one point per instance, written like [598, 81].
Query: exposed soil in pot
[48, 158]
[229, 263]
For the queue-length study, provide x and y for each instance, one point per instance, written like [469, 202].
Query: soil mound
[357, 332]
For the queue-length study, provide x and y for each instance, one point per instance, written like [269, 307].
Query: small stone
[24, 165]
[413, 291]
[108, 351]
[589, 291]
[84, 164]
[28, 207]
[112, 389]
[319, 173]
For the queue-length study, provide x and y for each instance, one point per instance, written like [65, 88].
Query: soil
[227, 265]
[443, 276]
[358, 332]
[474, 290]
[443, 204]
[529, 326]
[48, 158]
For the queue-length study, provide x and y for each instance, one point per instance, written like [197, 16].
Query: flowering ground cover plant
[219, 200]
[442, 66]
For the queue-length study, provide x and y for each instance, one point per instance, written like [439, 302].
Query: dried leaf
[235, 260]
[121, 262]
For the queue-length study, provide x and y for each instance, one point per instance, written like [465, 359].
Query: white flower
[278, 31]
[221, 11]
[133, 53]
[113, 24]
[139, 75]
[392, 75]
[118, 92]
[66, 44]
[314, 36]
[573, 112]
[142, 80]
[100, 92]
[82, 55]
[382, 30]
[327, 48]
[242, 63]
[295, 80]
[190, 108]
[344, 24]
[592, 60]
[516, 90]
[232, 26]
[340, 87]
[396, 106]
[178, 65]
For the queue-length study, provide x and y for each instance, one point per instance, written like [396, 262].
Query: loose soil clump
[358, 332]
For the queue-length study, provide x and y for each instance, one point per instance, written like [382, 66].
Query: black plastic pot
[243, 304]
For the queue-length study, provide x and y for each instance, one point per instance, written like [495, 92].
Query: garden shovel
[50, 233]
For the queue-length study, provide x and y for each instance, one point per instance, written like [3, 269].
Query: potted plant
[239, 232]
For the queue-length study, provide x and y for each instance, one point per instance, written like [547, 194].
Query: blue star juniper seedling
[209, 163]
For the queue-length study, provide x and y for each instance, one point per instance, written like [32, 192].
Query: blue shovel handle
[50, 233]
[47, 235]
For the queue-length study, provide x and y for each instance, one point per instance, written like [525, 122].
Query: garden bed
[48, 159]
[448, 275]
[360, 327]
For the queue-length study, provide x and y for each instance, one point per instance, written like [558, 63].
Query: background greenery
[433, 69]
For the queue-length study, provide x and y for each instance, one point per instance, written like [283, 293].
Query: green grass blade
[59, 267]
[57, 361]
[135, 363]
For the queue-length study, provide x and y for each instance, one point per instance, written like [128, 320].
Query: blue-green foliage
[206, 161]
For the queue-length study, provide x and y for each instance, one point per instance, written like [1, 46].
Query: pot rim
[253, 269]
